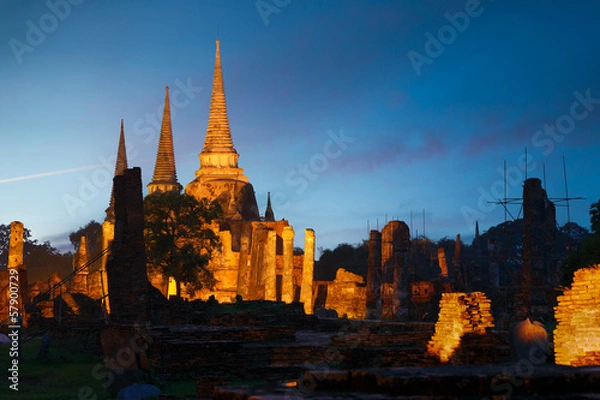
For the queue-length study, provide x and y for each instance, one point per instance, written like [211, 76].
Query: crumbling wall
[347, 295]
[460, 314]
[577, 335]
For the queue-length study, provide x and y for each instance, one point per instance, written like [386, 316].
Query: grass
[66, 374]
[63, 375]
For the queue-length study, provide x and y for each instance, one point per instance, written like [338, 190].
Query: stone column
[373, 275]
[270, 268]
[15, 261]
[287, 276]
[306, 292]
[396, 237]
[228, 278]
[442, 262]
[245, 246]
[15, 249]
[255, 281]
[108, 234]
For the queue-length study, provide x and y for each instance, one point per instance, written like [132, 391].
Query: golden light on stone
[347, 295]
[577, 335]
[172, 288]
[460, 313]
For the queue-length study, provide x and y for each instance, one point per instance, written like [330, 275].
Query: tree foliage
[595, 217]
[588, 252]
[40, 259]
[179, 239]
[351, 258]
[93, 235]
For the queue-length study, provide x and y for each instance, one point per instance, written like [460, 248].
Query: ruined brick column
[108, 234]
[539, 233]
[80, 259]
[15, 249]
[127, 276]
[442, 262]
[245, 247]
[270, 268]
[306, 292]
[395, 240]
[287, 276]
[15, 260]
[373, 275]
[255, 279]
[227, 276]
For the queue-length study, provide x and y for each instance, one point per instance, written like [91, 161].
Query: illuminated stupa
[165, 175]
[219, 177]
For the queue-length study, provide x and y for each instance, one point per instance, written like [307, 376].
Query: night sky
[346, 111]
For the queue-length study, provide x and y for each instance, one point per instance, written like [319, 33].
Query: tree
[589, 251]
[93, 236]
[179, 239]
[351, 258]
[595, 217]
[40, 259]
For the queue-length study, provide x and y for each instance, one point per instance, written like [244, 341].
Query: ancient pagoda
[165, 175]
[219, 177]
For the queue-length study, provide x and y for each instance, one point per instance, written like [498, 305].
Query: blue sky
[346, 111]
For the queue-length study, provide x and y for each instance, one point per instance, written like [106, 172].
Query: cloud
[480, 144]
[386, 153]
[50, 173]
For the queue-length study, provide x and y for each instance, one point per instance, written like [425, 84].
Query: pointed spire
[81, 257]
[121, 164]
[269, 214]
[120, 167]
[165, 175]
[476, 229]
[218, 134]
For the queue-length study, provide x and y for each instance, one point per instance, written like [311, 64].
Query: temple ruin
[256, 259]
[15, 263]
[460, 314]
[539, 262]
[577, 335]
[387, 273]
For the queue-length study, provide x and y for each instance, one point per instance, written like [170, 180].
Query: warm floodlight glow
[577, 335]
[460, 313]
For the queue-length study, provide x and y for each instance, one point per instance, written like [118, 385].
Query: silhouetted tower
[108, 226]
[165, 175]
[539, 225]
[120, 167]
[374, 278]
[269, 214]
